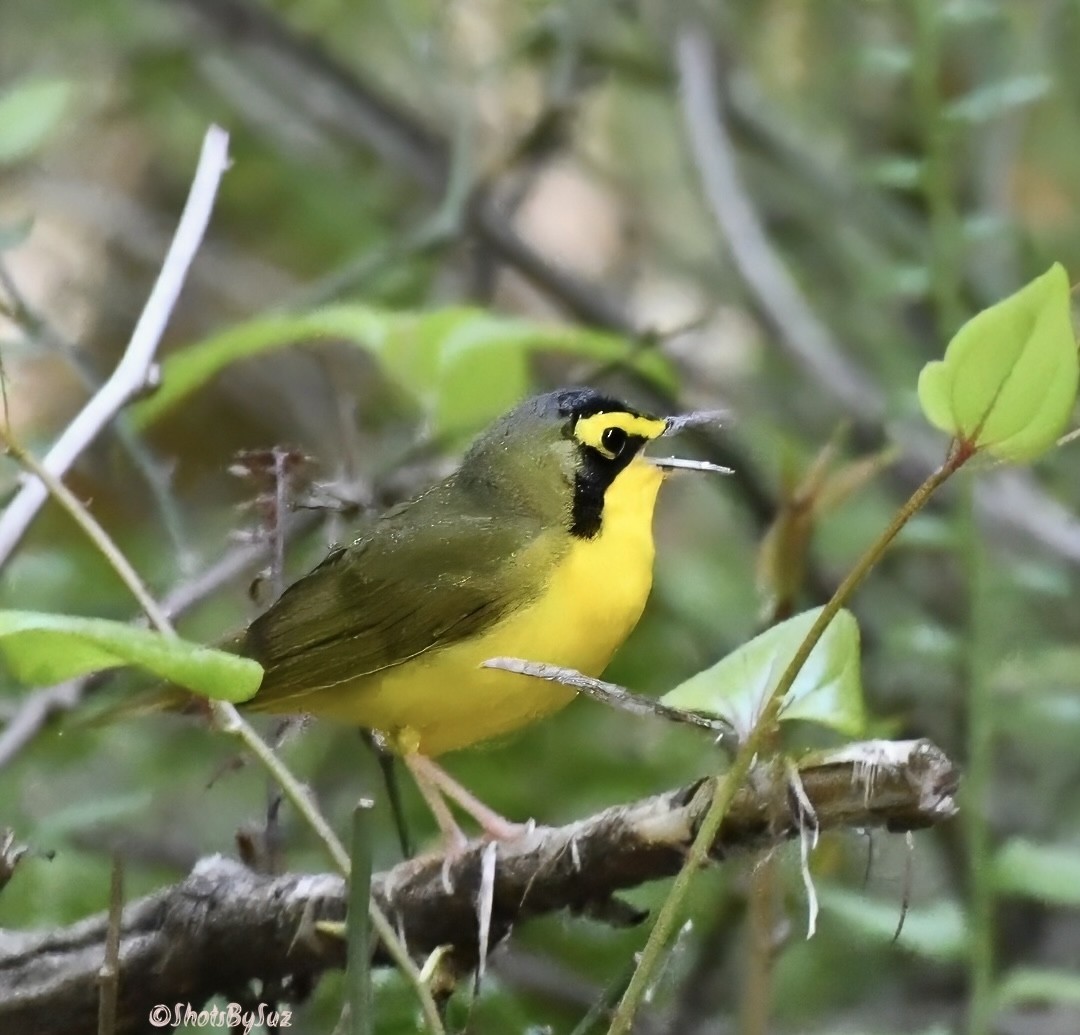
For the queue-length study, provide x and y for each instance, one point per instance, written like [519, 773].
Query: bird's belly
[444, 700]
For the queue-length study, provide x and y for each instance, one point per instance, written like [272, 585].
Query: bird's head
[562, 453]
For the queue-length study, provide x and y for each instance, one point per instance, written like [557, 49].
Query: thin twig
[609, 693]
[134, 372]
[152, 470]
[54, 487]
[34, 712]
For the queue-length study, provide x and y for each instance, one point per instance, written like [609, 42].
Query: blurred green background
[781, 209]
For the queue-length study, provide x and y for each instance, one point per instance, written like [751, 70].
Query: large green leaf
[186, 371]
[937, 931]
[30, 111]
[827, 690]
[41, 649]
[1049, 873]
[466, 365]
[1008, 381]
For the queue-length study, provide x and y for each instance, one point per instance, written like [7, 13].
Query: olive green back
[435, 571]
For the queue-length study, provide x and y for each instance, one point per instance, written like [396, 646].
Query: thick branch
[225, 925]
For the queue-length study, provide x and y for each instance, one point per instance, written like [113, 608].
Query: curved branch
[225, 925]
[135, 371]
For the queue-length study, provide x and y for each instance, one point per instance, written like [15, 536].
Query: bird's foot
[437, 785]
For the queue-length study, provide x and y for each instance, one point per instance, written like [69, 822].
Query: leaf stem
[937, 189]
[724, 787]
[980, 735]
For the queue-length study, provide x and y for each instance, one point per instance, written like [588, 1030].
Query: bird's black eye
[614, 440]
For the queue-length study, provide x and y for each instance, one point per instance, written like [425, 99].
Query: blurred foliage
[912, 162]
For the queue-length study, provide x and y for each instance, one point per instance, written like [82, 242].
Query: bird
[539, 546]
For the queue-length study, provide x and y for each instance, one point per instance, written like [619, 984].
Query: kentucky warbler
[539, 546]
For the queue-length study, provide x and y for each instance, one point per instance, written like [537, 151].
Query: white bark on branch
[135, 371]
[225, 926]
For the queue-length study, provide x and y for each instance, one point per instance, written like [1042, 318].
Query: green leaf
[1008, 381]
[28, 113]
[1049, 873]
[186, 371]
[41, 649]
[465, 365]
[827, 691]
[1026, 986]
[937, 931]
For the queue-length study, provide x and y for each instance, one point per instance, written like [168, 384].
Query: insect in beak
[680, 423]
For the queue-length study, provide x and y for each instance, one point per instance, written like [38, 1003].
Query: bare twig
[224, 925]
[36, 709]
[153, 472]
[134, 372]
[53, 486]
[609, 693]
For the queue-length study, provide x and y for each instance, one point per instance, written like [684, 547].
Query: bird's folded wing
[405, 589]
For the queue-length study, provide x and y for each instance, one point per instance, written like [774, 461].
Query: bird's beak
[680, 423]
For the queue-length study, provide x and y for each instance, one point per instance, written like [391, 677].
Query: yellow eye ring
[591, 431]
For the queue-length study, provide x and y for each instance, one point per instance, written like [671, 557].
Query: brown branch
[224, 925]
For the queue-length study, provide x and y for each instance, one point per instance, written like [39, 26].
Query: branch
[779, 297]
[224, 925]
[134, 372]
[1012, 498]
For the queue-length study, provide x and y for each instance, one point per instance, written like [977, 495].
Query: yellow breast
[444, 700]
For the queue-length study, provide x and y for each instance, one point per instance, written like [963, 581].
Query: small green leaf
[937, 931]
[28, 113]
[41, 649]
[1008, 381]
[1049, 873]
[1026, 986]
[827, 691]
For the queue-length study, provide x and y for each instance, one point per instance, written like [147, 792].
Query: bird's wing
[406, 588]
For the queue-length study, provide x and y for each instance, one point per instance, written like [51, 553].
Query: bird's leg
[454, 837]
[440, 782]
